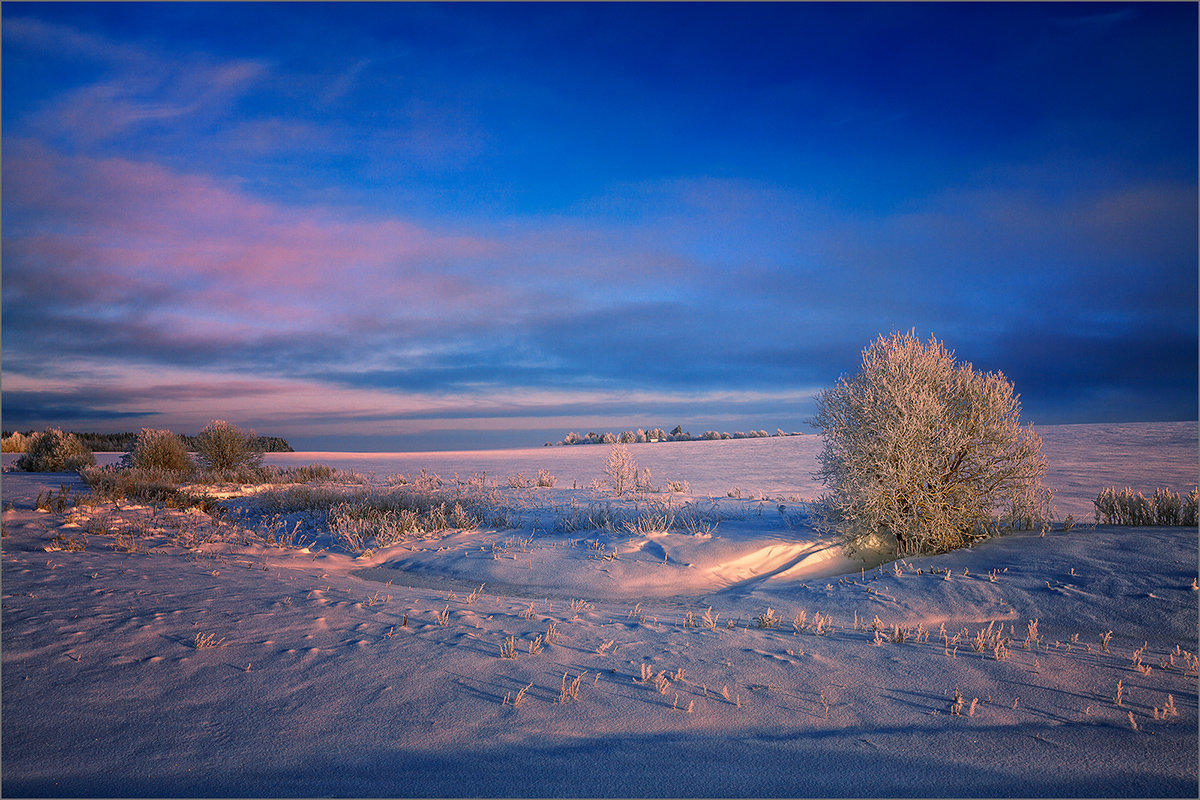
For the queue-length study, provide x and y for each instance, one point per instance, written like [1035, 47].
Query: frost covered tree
[924, 455]
[54, 451]
[158, 449]
[621, 469]
[16, 443]
[223, 446]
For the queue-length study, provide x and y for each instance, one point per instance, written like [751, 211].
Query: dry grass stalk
[206, 640]
[510, 700]
[508, 648]
[570, 692]
[768, 619]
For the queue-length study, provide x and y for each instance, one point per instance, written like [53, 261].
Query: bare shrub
[54, 451]
[222, 446]
[644, 483]
[621, 469]
[519, 481]
[924, 455]
[159, 450]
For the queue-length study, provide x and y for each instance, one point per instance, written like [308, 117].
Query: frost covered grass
[1127, 507]
[157, 485]
[365, 517]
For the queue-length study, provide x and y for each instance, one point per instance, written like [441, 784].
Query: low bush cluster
[1127, 507]
[14, 443]
[362, 518]
[150, 486]
[53, 451]
[156, 485]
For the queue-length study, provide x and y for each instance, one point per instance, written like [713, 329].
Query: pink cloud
[112, 228]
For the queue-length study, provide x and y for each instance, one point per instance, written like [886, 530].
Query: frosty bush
[158, 450]
[644, 483]
[621, 469]
[924, 455]
[16, 443]
[54, 451]
[222, 446]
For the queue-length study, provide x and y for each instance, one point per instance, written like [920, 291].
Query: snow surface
[333, 675]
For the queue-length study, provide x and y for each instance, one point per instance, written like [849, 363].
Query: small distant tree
[158, 450]
[644, 482]
[924, 455]
[621, 469]
[52, 450]
[222, 447]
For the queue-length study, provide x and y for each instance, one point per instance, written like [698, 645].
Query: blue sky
[406, 226]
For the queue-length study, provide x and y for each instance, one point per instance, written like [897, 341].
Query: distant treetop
[121, 442]
[660, 435]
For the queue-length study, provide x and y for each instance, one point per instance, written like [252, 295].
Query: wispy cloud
[477, 215]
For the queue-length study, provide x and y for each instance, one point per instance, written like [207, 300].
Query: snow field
[154, 662]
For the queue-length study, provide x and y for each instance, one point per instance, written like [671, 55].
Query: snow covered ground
[743, 656]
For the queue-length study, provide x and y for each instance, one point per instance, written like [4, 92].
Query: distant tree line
[121, 442]
[660, 435]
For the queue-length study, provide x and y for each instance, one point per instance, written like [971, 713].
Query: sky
[455, 226]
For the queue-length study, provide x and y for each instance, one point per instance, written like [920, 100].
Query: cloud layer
[419, 226]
